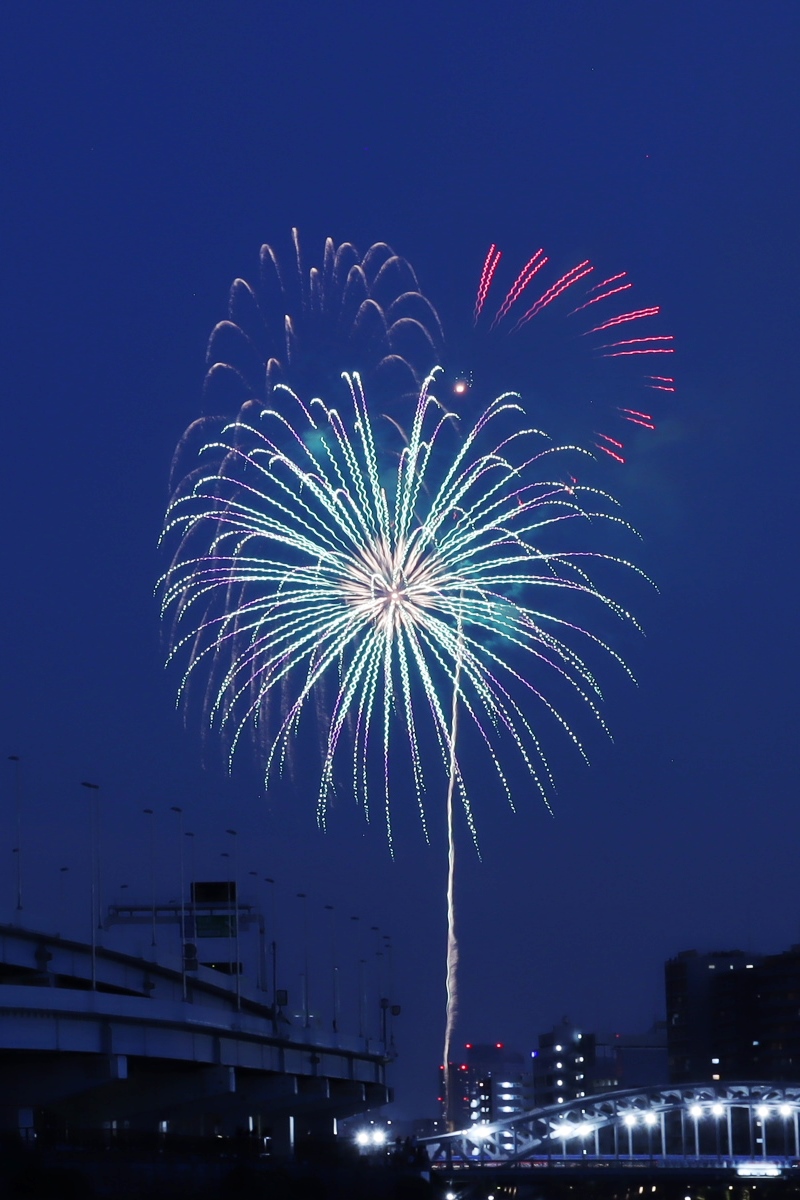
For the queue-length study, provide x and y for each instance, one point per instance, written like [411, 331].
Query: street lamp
[330, 908]
[94, 789]
[306, 1015]
[176, 808]
[274, 943]
[234, 835]
[192, 884]
[15, 758]
[149, 812]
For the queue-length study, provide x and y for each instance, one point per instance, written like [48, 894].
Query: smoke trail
[451, 1010]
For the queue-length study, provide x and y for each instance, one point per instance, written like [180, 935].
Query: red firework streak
[599, 294]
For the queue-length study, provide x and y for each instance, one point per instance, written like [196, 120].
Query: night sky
[148, 150]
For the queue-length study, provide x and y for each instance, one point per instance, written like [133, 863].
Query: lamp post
[15, 758]
[306, 1015]
[62, 877]
[149, 812]
[274, 943]
[93, 789]
[192, 883]
[330, 908]
[176, 808]
[234, 835]
[360, 962]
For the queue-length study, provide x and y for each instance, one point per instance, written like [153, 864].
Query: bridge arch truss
[699, 1122]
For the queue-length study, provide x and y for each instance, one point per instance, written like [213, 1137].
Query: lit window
[715, 1077]
[715, 1062]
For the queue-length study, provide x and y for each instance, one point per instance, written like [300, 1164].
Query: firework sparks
[303, 559]
[303, 327]
[599, 299]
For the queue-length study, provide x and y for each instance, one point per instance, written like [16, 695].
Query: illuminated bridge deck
[743, 1131]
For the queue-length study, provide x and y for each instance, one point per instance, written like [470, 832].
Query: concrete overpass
[96, 1038]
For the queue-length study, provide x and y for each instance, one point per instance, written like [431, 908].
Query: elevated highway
[92, 1037]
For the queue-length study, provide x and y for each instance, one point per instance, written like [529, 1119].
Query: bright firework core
[318, 578]
[394, 586]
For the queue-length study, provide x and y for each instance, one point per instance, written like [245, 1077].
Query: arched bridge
[751, 1128]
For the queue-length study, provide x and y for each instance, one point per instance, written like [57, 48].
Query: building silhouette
[733, 1016]
[570, 1064]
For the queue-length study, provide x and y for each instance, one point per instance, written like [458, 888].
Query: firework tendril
[306, 557]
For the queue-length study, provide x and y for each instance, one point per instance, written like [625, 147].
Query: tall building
[491, 1084]
[733, 1016]
[570, 1064]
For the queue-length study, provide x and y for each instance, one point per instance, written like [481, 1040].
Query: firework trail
[451, 961]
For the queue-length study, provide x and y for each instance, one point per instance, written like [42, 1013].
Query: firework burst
[597, 319]
[303, 326]
[307, 556]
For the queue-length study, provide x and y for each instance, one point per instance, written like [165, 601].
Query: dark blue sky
[148, 150]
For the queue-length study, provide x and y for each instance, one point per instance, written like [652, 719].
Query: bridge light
[584, 1129]
[650, 1118]
[785, 1110]
[762, 1111]
[379, 1137]
[695, 1111]
[362, 1137]
[717, 1110]
[629, 1119]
